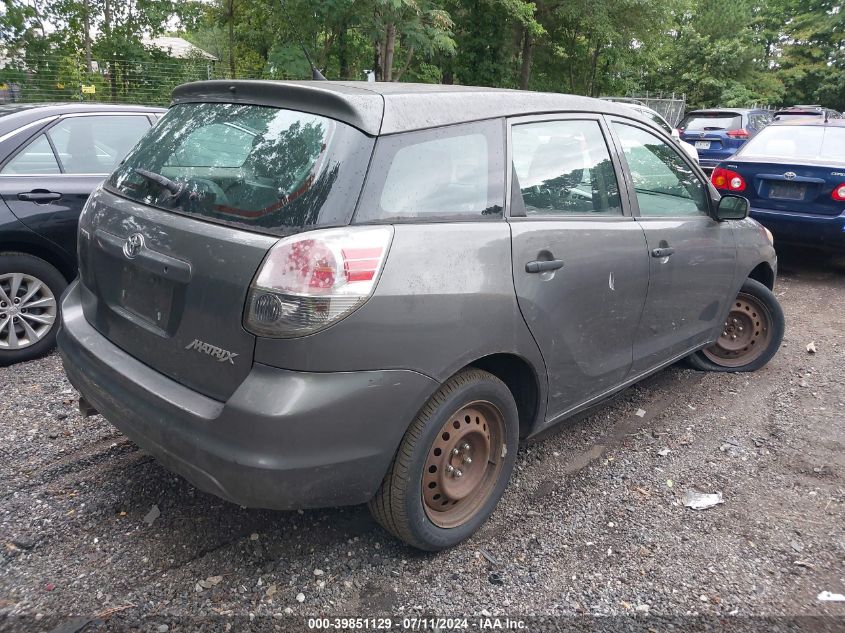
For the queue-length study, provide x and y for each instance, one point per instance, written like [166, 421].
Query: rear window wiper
[173, 187]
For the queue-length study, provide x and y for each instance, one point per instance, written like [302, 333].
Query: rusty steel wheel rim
[745, 336]
[463, 464]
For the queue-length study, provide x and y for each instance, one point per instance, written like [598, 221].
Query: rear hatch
[793, 168]
[169, 246]
[714, 134]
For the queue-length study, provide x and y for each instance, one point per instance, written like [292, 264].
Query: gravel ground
[593, 522]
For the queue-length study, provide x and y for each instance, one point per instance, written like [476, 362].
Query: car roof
[15, 116]
[811, 120]
[391, 107]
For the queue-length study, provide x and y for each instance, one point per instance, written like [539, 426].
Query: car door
[692, 256]
[580, 263]
[47, 182]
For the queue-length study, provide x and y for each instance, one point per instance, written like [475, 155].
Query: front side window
[450, 173]
[665, 184]
[564, 168]
[35, 159]
[96, 144]
[255, 167]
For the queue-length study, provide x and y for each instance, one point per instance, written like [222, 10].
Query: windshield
[257, 167]
[711, 121]
[797, 141]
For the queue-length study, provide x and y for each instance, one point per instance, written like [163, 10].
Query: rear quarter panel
[445, 299]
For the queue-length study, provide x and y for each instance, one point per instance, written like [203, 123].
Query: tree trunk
[527, 58]
[595, 65]
[230, 16]
[407, 63]
[389, 51]
[87, 35]
[342, 53]
[377, 61]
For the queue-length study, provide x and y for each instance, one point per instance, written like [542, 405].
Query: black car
[51, 159]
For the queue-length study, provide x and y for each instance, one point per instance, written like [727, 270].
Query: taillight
[738, 133]
[726, 179]
[311, 280]
[839, 193]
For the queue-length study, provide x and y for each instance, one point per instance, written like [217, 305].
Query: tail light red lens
[839, 193]
[727, 180]
[738, 133]
[309, 281]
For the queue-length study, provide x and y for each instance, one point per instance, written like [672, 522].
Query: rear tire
[29, 317]
[453, 464]
[751, 336]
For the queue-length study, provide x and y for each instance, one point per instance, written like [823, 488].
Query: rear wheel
[751, 335]
[452, 465]
[29, 307]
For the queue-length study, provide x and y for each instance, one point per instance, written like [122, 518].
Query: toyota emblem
[790, 175]
[133, 245]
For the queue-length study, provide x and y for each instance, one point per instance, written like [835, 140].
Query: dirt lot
[592, 524]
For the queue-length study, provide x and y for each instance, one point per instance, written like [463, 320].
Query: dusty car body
[383, 287]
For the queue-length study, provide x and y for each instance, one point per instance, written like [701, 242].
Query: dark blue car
[793, 173]
[718, 133]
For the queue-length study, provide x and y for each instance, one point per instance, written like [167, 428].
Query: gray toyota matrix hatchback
[318, 293]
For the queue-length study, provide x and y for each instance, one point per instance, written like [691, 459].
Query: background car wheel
[751, 336]
[452, 465]
[29, 307]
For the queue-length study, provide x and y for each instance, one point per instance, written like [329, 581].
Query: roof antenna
[315, 72]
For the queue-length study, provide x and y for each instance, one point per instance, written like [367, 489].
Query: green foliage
[716, 52]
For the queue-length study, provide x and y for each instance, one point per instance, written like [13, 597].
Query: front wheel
[29, 307]
[751, 335]
[453, 464]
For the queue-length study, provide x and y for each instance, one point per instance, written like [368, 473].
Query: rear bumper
[283, 440]
[802, 228]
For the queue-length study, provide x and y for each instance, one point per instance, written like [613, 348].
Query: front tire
[751, 336]
[29, 307]
[453, 464]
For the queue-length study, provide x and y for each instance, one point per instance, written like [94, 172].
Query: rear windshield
[261, 168]
[798, 113]
[711, 121]
[804, 141]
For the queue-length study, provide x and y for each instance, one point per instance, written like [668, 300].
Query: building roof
[387, 107]
[179, 48]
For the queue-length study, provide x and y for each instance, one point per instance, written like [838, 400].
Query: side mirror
[732, 208]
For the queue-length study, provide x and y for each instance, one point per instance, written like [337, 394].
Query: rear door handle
[662, 252]
[542, 266]
[39, 197]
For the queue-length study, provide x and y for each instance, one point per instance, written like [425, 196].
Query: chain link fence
[671, 108]
[139, 81]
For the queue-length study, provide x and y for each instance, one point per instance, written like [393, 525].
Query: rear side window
[450, 173]
[564, 168]
[711, 121]
[35, 159]
[255, 167]
[96, 144]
